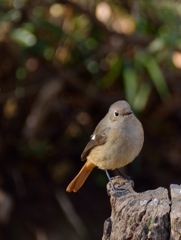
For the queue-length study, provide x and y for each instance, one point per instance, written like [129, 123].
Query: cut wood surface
[153, 214]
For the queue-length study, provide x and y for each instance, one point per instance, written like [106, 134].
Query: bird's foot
[118, 190]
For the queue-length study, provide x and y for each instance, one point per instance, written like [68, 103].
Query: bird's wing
[97, 138]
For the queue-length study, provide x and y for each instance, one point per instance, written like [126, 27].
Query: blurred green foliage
[56, 32]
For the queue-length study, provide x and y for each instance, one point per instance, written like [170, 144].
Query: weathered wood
[137, 216]
[175, 215]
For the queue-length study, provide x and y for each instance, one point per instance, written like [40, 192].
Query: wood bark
[153, 214]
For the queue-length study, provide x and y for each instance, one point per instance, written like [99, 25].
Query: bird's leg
[112, 185]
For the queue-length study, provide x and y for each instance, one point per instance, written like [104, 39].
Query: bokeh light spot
[72, 130]
[83, 118]
[62, 54]
[92, 66]
[21, 73]
[176, 59]
[91, 43]
[18, 4]
[32, 64]
[49, 53]
[10, 108]
[124, 25]
[103, 12]
[38, 11]
[19, 92]
[56, 10]
[24, 37]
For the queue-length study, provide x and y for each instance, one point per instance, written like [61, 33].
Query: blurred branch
[71, 215]
[41, 108]
[6, 206]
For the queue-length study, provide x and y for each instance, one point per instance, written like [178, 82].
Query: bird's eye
[116, 114]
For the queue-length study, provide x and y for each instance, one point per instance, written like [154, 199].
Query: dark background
[62, 64]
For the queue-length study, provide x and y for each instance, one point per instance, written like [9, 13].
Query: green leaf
[141, 97]
[156, 45]
[113, 73]
[157, 77]
[23, 37]
[155, 73]
[130, 83]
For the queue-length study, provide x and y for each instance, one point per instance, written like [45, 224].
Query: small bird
[115, 142]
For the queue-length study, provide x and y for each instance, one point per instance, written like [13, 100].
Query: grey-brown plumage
[97, 139]
[115, 142]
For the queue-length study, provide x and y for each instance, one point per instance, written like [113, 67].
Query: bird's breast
[122, 146]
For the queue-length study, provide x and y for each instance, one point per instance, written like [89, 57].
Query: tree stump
[140, 216]
[175, 214]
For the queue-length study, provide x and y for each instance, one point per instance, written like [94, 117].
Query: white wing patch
[93, 137]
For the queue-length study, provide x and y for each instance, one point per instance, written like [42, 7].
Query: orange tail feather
[79, 180]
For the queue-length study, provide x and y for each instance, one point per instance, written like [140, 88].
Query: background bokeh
[62, 64]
